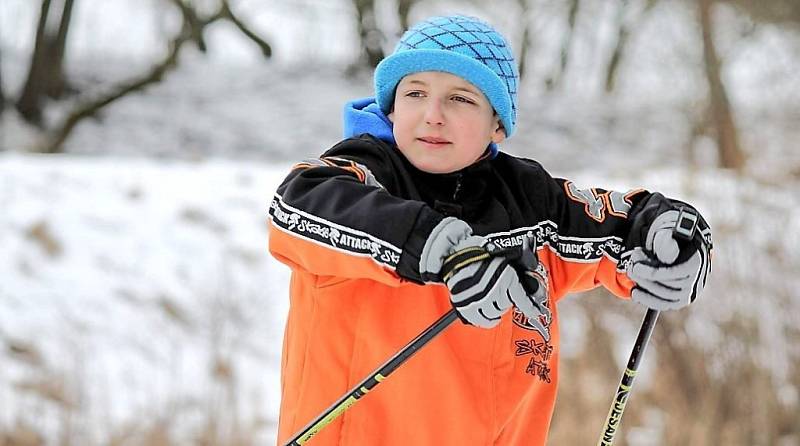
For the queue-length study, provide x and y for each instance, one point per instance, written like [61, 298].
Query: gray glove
[482, 287]
[672, 267]
[482, 281]
[440, 244]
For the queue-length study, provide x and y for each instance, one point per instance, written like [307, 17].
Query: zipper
[458, 187]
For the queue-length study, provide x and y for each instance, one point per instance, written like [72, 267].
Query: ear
[499, 134]
[390, 115]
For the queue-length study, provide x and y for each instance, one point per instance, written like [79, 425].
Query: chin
[435, 168]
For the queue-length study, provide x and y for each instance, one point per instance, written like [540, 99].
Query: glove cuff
[441, 243]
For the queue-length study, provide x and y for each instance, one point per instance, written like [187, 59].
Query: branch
[192, 29]
[226, 12]
[92, 107]
[192, 24]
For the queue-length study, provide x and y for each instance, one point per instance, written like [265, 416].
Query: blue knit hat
[464, 46]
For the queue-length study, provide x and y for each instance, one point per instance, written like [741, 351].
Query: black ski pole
[614, 418]
[684, 230]
[373, 380]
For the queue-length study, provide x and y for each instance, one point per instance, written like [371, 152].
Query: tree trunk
[526, 37]
[622, 40]
[29, 102]
[403, 8]
[730, 153]
[566, 45]
[623, 36]
[2, 95]
[56, 83]
[371, 37]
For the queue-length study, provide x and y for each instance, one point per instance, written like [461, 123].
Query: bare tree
[566, 45]
[623, 36]
[29, 102]
[526, 35]
[403, 8]
[56, 46]
[46, 72]
[2, 96]
[192, 29]
[371, 36]
[730, 153]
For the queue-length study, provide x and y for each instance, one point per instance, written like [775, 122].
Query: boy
[400, 222]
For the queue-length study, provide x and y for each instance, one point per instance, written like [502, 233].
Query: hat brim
[392, 69]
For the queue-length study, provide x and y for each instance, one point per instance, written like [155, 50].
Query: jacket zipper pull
[458, 187]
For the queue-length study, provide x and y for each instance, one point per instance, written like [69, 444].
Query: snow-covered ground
[135, 291]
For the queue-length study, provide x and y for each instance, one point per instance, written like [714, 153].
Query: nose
[433, 113]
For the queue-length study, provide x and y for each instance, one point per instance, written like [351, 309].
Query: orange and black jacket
[352, 224]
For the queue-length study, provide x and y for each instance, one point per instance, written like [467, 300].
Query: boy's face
[442, 123]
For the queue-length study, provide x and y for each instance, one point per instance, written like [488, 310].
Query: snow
[132, 277]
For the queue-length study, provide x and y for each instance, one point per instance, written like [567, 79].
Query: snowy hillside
[138, 293]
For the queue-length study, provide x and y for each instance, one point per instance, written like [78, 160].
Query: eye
[463, 99]
[414, 94]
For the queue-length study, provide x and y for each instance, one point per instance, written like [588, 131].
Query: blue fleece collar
[364, 116]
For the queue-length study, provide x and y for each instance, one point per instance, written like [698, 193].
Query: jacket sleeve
[585, 237]
[333, 216]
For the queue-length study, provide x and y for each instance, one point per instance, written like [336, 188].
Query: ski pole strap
[686, 225]
[461, 259]
[375, 378]
[522, 258]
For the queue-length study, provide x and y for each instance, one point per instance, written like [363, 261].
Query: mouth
[434, 141]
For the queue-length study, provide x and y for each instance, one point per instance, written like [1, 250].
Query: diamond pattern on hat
[469, 37]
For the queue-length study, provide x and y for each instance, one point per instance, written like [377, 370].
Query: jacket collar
[458, 193]
[364, 116]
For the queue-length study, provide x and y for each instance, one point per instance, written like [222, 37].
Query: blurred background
[141, 141]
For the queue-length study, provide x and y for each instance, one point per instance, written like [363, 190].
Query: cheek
[474, 129]
[403, 127]
[400, 130]
[475, 136]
